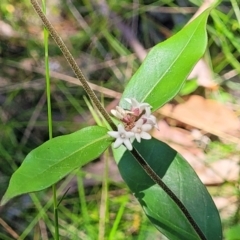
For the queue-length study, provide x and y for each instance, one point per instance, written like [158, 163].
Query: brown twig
[9, 229]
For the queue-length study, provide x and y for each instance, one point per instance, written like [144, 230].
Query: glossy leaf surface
[166, 67]
[179, 176]
[54, 159]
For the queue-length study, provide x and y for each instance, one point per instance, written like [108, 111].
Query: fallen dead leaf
[208, 115]
[173, 134]
[219, 172]
[227, 205]
[209, 112]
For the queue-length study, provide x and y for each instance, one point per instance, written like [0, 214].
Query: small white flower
[140, 130]
[120, 113]
[122, 136]
[150, 119]
[136, 106]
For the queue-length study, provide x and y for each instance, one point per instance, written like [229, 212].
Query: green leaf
[167, 65]
[54, 159]
[188, 87]
[233, 232]
[179, 176]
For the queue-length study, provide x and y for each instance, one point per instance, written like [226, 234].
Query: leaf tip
[8, 195]
[4, 200]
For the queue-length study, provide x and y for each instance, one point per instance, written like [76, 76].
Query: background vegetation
[110, 39]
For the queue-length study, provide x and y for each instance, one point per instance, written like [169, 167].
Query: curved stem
[72, 63]
[167, 190]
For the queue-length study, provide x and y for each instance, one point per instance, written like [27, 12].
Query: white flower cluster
[135, 123]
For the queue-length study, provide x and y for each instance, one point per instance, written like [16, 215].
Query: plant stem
[48, 90]
[55, 208]
[103, 210]
[49, 109]
[166, 189]
[72, 63]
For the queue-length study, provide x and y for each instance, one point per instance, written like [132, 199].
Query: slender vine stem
[167, 190]
[72, 63]
[97, 103]
[49, 109]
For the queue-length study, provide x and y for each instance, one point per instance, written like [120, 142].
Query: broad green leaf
[179, 176]
[54, 159]
[167, 65]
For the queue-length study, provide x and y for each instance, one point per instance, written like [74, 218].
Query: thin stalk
[236, 10]
[117, 221]
[49, 109]
[103, 211]
[72, 63]
[91, 232]
[165, 188]
[55, 208]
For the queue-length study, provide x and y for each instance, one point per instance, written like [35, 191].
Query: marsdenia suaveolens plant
[168, 189]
